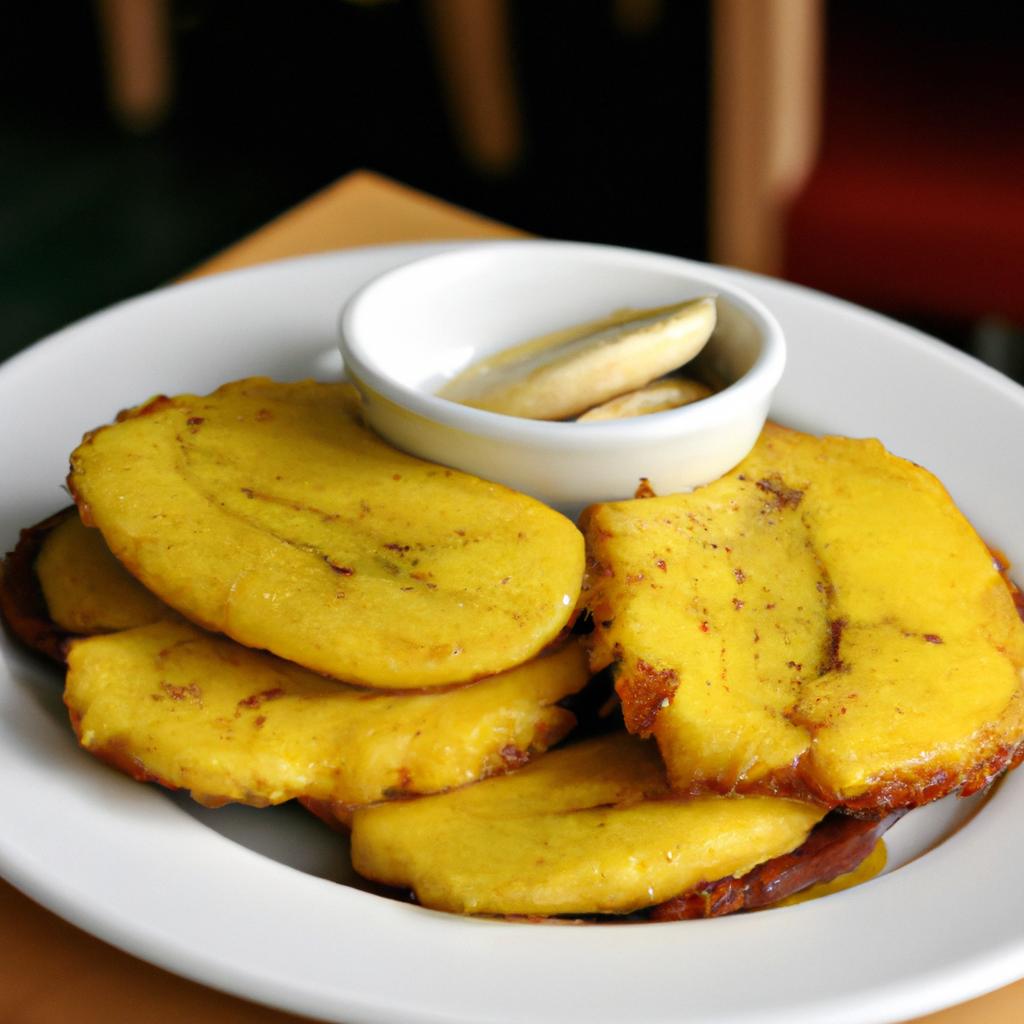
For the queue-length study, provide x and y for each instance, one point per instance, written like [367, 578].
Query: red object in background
[917, 201]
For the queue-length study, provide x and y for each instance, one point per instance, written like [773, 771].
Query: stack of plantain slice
[258, 600]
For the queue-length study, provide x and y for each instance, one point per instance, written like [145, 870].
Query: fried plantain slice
[837, 847]
[61, 581]
[171, 704]
[584, 830]
[822, 619]
[21, 598]
[85, 588]
[268, 512]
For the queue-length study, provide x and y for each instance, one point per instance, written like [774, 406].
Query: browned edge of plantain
[796, 781]
[21, 598]
[836, 846]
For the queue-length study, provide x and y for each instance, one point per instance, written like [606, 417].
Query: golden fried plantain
[840, 852]
[268, 512]
[21, 599]
[822, 619]
[584, 830]
[85, 588]
[61, 581]
[171, 704]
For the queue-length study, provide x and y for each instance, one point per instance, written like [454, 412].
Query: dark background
[273, 100]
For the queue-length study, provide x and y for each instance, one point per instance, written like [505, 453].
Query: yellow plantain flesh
[170, 703]
[268, 512]
[585, 830]
[85, 588]
[822, 618]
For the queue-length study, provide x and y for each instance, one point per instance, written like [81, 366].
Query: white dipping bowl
[409, 331]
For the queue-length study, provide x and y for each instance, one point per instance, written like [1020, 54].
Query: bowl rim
[758, 381]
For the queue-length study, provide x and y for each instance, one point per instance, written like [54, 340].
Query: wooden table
[50, 971]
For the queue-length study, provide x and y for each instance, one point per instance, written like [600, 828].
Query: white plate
[249, 901]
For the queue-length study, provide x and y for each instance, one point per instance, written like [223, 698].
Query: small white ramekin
[410, 330]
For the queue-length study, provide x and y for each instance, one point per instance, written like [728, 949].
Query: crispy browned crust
[835, 846]
[21, 599]
[117, 756]
[892, 794]
[1002, 564]
[794, 782]
[335, 815]
[644, 694]
[886, 795]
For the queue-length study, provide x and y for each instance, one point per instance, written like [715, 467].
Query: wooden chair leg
[767, 84]
[474, 54]
[137, 49]
[637, 17]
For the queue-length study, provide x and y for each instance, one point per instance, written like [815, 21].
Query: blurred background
[869, 149]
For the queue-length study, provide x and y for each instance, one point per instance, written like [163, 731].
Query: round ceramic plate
[261, 903]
